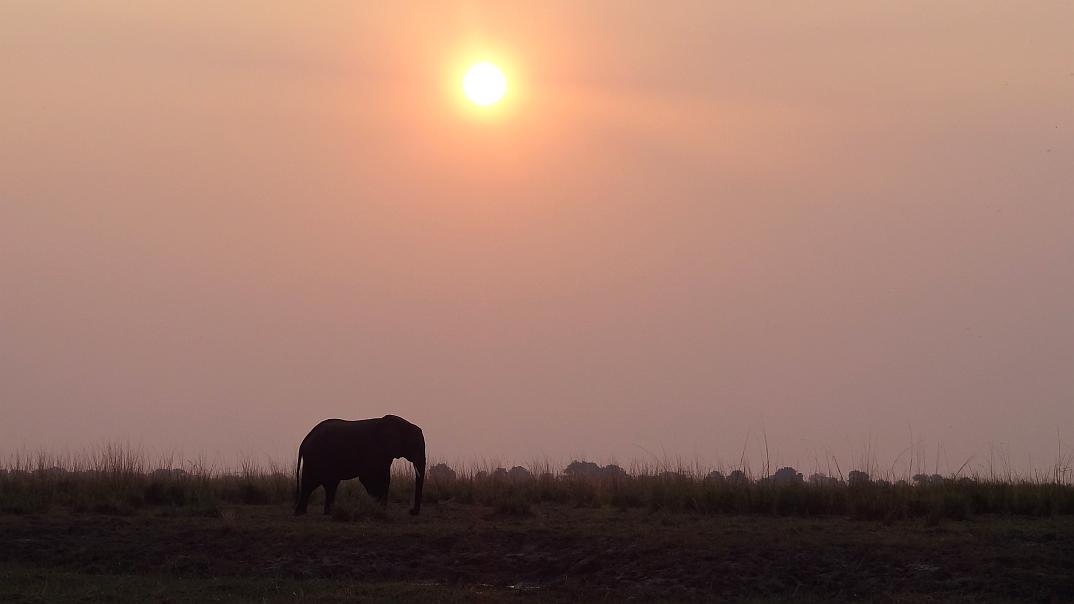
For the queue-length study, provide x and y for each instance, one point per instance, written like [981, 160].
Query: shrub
[164, 493]
[357, 508]
[251, 493]
[514, 506]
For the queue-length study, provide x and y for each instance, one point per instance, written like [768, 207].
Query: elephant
[337, 449]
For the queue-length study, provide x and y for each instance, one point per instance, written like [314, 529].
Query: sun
[484, 83]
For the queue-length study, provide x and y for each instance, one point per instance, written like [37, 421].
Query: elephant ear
[396, 419]
[393, 435]
[405, 428]
[409, 441]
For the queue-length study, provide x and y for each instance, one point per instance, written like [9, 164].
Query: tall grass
[116, 479]
[121, 480]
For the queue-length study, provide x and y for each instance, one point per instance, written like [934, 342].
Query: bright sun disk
[484, 83]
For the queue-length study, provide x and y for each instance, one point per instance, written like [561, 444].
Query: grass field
[111, 527]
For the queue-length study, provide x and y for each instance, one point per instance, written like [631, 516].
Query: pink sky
[849, 225]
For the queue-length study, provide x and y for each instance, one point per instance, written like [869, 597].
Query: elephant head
[407, 441]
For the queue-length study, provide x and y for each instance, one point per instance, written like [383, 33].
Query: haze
[845, 226]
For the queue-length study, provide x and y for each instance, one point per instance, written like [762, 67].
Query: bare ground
[464, 553]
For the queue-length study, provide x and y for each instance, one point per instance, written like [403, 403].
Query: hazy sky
[849, 225]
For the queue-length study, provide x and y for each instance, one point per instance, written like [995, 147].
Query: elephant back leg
[306, 487]
[376, 482]
[330, 488]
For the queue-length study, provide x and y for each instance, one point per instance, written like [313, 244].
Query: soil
[462, 552]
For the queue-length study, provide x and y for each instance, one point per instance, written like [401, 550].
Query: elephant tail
[298, 476]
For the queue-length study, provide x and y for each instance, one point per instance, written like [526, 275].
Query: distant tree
[926, 479]
[519, 474]
[614, 472]
[787, 475]
[857, 478]
[441, 472]
[582, 470]
[499, 474]
[737, 477]
[168, 474]
[715, 477]
[822, 480]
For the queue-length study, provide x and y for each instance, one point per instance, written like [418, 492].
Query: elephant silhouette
[337, 450]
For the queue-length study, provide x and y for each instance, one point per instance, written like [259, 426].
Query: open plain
[553, 552]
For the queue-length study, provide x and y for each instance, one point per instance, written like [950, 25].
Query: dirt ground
[465, 553]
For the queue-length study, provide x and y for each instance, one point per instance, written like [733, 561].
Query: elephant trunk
[419, 484]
